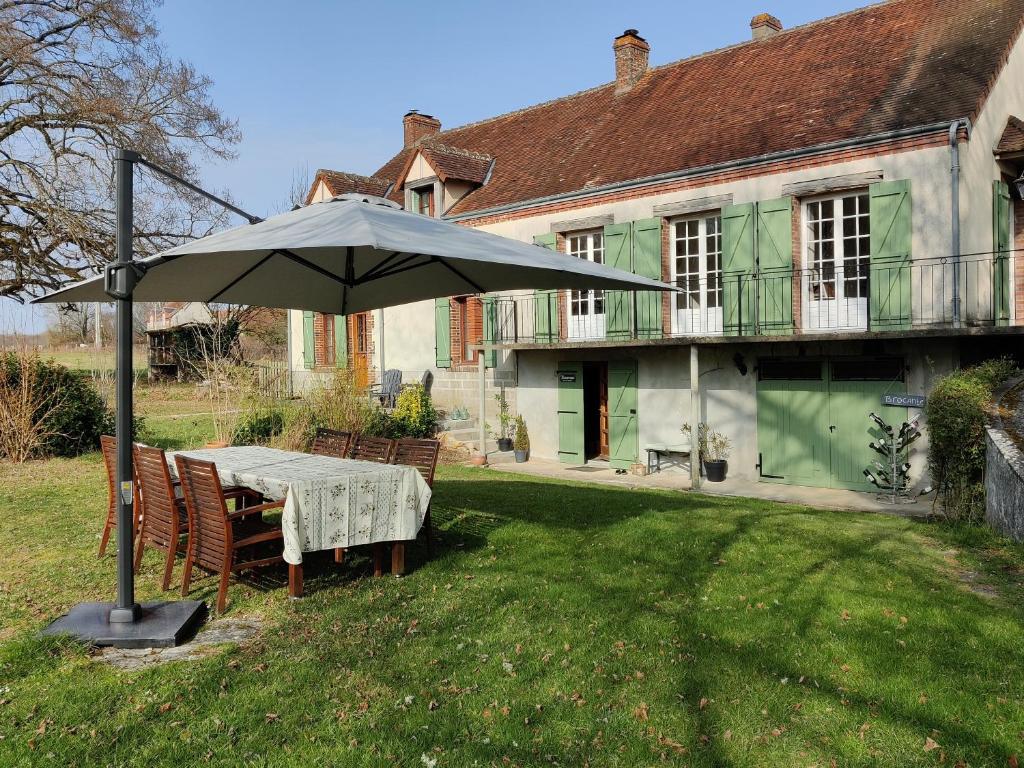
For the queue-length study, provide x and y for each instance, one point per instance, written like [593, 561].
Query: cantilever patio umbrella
[350, 254]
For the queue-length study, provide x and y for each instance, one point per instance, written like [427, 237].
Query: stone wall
[1004, 478]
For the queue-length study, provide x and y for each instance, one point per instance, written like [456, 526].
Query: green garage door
[812, 419]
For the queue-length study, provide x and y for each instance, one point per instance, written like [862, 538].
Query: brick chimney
[764, 25]
[631, 54]
[419, 126]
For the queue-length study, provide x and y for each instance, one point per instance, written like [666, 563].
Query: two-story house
[838, 204]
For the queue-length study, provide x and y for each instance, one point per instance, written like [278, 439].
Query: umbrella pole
[126, 609]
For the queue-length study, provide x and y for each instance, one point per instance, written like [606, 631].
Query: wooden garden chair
[219, 537]
[164, 517]
[378, 449]
[331, 442]
[108, 447]
[422, 455]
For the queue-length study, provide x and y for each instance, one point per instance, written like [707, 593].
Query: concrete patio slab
[678, 479]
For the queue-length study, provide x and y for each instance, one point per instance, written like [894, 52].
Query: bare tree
[70, 323]
[302, 180]
[79, 79]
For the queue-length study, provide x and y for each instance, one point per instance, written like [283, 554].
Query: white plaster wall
[728, 399]
[979, 166]
[419, 169]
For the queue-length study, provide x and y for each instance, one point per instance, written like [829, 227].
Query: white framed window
[586, 308]
[697, 271]
[837, 255]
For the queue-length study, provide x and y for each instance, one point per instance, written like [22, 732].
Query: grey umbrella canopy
[352, 254]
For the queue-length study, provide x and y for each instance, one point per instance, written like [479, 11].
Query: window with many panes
[697, 272]
[588, 246]
[838, 242]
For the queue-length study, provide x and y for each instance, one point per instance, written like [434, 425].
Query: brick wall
[798, 290]
[474, 331]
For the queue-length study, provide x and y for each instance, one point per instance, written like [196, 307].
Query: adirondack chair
[387, 391]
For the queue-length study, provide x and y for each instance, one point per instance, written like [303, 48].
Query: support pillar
[482, 381]
[694, 417]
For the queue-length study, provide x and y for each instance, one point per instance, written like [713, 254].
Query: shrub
[521, 442]
[261, 420]
[956, 412]
[414, 414]
[48, 410]
[337, 404]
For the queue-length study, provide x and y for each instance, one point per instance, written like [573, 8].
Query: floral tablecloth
[328, 502]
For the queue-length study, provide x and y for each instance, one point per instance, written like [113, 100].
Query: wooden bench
[656, 450]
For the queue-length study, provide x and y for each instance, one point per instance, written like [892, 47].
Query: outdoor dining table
[330, 503]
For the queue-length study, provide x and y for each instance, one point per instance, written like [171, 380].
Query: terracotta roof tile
[339, 183]
[454, 163]
[899, 64]
[1012, 139]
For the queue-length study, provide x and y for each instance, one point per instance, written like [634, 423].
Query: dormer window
[423, 200]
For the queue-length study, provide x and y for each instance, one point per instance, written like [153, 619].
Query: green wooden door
[775, 266]
[618, 305]
[341, 341]
[737, 269]
[1001, 286]
[623, 442]
[792, 431]
[890, 255]
[816, 432]
[851, 429]
[570, 413]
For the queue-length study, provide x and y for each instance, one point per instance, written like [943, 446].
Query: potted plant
[521, 444]
[504, 433]
[715, 455]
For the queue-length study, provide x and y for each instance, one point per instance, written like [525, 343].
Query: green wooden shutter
[775, 266]
[647, 263]
[737, 269]
[490, 307]
[1001, 284]
[545, 303]
[308, 341]
[570, 413]
[618, 305]
[623, 445]
[443, 333]
[341, 341]
[890, 255]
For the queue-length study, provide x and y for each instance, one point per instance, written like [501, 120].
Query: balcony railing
[850, 298]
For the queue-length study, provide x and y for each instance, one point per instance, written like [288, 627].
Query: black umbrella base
[159, 625]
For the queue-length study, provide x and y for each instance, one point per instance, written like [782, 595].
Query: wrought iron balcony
[852, 298]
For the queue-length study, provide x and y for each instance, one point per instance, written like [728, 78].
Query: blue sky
[325, 84]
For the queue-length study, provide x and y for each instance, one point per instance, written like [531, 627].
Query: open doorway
[595, 410]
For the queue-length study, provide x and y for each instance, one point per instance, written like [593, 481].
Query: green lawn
[557, 624]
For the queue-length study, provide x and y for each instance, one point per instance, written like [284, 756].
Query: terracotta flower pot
[478, 460]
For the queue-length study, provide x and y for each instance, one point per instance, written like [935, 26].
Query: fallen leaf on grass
[273, 717]
[641, 712]
[930, 744]
[702, 703]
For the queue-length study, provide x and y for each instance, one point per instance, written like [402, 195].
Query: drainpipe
[954, 179]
